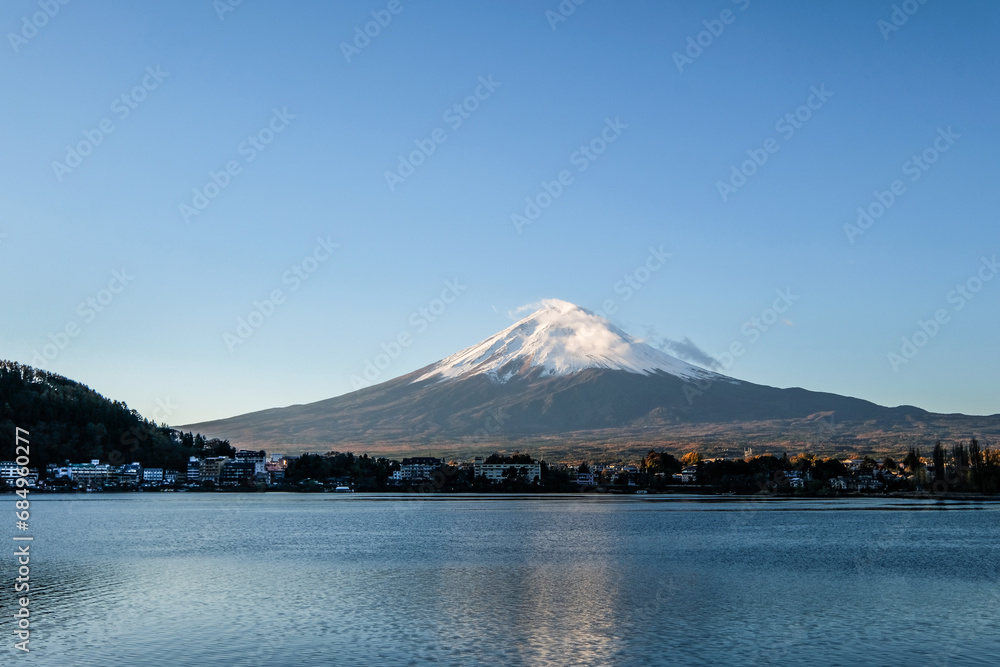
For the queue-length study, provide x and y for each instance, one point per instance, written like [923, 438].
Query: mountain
[566, 382]
[559, 339]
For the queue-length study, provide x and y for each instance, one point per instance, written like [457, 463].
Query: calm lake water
[295, 579]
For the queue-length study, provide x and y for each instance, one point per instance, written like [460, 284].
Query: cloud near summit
[687, 350]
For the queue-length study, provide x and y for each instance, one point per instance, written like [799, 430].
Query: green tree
[976, 462]
[938, 462]
[660, 462]
[960, 460]
[217, 447]
[913, 461]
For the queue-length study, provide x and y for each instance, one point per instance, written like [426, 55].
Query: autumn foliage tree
[691, 459]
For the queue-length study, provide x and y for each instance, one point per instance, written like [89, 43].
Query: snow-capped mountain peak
[559, 338]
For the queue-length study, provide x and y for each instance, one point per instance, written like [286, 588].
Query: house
[689, 475]
[856, 483]
[585, 478]
[867, 483]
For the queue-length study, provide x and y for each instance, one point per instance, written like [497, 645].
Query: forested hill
[68, 421]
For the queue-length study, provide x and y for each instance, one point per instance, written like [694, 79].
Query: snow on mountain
[560, 338]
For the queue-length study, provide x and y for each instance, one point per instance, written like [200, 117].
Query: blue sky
[205, 89]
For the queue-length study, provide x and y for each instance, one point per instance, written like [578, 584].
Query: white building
[131, 473]
[55, 471]
[10, 472]
[418, 467]
[152, 475]
[494, 471]
[194, 469]
[94, 473]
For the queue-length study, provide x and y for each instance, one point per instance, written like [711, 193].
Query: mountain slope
[67, 420]
[566, 380]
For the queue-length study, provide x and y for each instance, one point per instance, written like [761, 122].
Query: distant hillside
[69, 421]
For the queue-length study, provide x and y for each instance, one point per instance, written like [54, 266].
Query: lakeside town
[961, 468]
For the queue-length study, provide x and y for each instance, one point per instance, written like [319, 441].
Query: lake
[178, 579]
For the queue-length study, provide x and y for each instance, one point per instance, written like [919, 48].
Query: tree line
[970, 468]
[69, 421]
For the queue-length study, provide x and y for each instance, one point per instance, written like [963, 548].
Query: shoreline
[594, 494]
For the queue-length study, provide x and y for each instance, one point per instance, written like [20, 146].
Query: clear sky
[252, 140]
